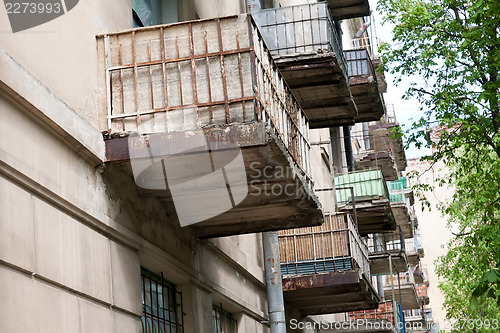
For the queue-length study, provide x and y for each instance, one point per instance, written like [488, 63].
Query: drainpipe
[394, 309]
[274, 285]
[380, 283]
[253, 6]
[348, 148]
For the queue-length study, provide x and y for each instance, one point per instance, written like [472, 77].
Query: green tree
[449, 51]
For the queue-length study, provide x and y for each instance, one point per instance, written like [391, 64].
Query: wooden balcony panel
[324, 268]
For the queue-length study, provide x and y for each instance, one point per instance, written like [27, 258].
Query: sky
[407, 111]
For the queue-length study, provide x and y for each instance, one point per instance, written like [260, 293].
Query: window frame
[170, 319]
[223, 320]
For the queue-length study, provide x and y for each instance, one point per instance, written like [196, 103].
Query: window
[152, 12]
[160, 303]
[224, 321]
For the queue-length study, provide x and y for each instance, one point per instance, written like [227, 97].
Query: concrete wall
[322, 173]
[433, 231]
[75, 233]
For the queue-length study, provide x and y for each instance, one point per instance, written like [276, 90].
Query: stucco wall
[75, 233]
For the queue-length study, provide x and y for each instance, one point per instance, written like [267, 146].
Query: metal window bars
[195, 75]
[162, 308]
[300, 29]
[333, 246]
[223, 321]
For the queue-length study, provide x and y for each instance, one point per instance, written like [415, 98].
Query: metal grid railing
[223, 321]
[362, 43]
[300, 29]
[359, 63]
[390, 114]
[386, 241]
[402, 278]
[160, 305]
[414, 244]
[397, 190]
[333, 246]
[200, 74]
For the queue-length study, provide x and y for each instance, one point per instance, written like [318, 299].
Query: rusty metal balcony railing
[359, 63]
[333, 246]
[195, 75]
[299, 29]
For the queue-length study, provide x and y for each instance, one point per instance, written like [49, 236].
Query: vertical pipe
[366, 135]
[395, 312]
[348, 148]
[380, 284]
[274, 285]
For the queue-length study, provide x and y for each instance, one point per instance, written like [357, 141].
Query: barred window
[224, 321]
[160, 303]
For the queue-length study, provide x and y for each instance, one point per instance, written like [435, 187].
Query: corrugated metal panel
[367, 185]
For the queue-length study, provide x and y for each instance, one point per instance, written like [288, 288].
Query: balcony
[383, 149]
[346, 9]
[381, 320]
[370, 43]
[325, 268]
[364, 194]
[198, 113]
[417, 320]
[422, 294]
[307, 49]
[404, 290]
[400, 204]
[420, 275]
[413, 249]
[364, 85]
[383, 245]
[400, 189]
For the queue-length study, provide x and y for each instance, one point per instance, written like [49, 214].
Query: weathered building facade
[114, 143]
